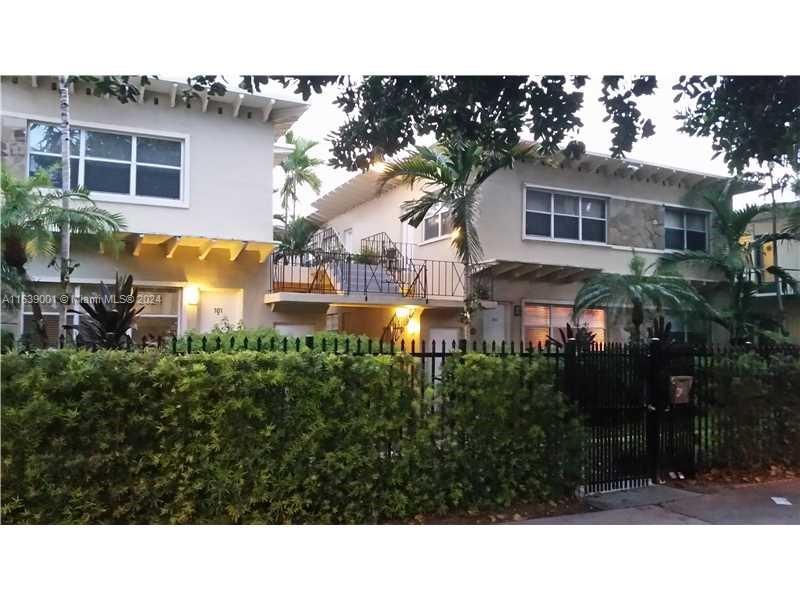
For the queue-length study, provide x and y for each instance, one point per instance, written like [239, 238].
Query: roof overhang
[281, 112]
[356, 190]
[169, 244]
[629, 168]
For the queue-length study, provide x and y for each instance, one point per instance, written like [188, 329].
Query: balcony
[383, 270]
[767, 284]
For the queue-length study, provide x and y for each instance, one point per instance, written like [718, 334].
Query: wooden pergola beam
[504, 268]
[236, 251]
[173, 95]
[267, 110]
[136, 242]
[171, 245]
[237, 104]
[205, 249]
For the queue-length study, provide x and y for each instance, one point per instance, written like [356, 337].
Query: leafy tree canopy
[748, 118]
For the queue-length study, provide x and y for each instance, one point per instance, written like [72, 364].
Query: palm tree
[731, 255]
[450, 174]
[295, 238]
[30, 221]
[638, 289]
[298, 169]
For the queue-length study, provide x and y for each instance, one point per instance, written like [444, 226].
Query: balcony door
[347, 240]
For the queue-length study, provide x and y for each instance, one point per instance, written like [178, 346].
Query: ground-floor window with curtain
[159, 319]
[45, 295]
[542, 320]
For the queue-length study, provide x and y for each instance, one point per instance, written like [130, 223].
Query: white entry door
[218, 307]
[494, 324]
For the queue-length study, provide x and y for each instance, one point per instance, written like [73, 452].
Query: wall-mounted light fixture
[191, 294]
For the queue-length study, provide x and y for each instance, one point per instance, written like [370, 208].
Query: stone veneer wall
[13, 141]
[636, 224]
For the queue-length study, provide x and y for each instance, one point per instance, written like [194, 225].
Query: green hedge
[755, 412]
[247, 437]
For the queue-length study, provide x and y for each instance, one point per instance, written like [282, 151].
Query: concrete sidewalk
[663, 505]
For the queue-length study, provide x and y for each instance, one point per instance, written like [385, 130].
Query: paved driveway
[662, 505]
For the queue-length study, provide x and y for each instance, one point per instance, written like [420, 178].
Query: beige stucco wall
[500, 223]
[381, 214]
[229, 160]
[635, 219]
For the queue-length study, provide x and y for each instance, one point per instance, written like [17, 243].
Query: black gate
[637, 407]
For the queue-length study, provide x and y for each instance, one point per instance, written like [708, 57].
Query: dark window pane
[52, 165]
[565, 205]
[107, 177]
[673, 218]
[696, 221]
[593, 207]
[108, 145]
[673, 239]
[594, 230]
[447, 224]
[43, 137]
[695, 240]
[566, 227]
[537, 224]
[159, 152]
[536, 200]
[431, 228]
[162, 183]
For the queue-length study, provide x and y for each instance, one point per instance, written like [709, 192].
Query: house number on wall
[217, 310]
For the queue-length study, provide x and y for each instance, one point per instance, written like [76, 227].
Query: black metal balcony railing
[345, 273]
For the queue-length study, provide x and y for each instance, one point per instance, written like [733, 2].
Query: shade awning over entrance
[535, 271]
[134, 242]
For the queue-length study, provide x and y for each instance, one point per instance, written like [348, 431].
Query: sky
[667, 147]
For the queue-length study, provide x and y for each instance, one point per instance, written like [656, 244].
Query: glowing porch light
[401, 312]
[413, 326]
[456, 233]
[191, 294]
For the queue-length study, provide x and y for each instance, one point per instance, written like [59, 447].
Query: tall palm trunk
[64, 254]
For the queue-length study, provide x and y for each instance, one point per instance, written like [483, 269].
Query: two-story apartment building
[193, 181]
[544, 230]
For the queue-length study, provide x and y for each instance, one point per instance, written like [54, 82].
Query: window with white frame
[685, 229]
[564, 216]
[114, 163]
[542, 320]
[159, 318]
[45, 295]
[437, 225]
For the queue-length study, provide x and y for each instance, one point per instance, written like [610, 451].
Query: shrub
[755, 415]
[263, 437]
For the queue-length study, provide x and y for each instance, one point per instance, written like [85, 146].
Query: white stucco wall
[228, 160]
